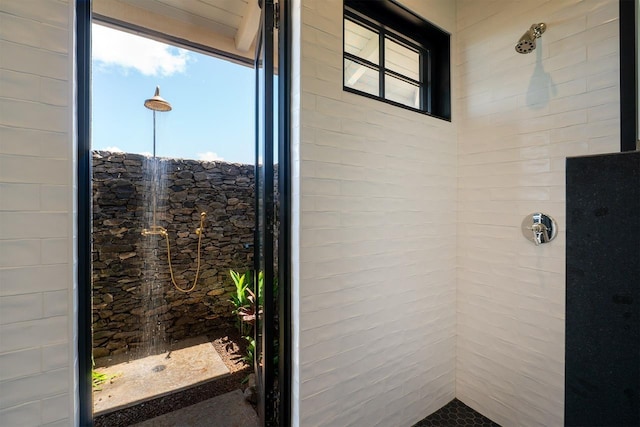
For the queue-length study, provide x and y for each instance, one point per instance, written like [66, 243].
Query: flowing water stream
[155, 275]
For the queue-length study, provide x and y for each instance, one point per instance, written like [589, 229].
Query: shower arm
[538, 29]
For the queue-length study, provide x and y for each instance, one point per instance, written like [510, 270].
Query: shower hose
[199, 231]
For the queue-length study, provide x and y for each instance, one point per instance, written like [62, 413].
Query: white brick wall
[519, 117]
[376, 286]
[36, 213]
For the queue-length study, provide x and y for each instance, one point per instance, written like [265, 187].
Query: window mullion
[391, 73]
[381, 60]
[428, 89]
[423, 91]
[357, 59]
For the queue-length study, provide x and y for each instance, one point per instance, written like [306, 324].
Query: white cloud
[209, 156]
[151, 58]
[113, 149]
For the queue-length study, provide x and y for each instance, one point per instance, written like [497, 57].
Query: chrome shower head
[527, 42]
[157, 103]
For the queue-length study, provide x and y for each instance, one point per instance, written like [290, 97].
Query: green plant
[99, 378]
[261, 288]
[248, 307]
[241, 299]
[251, 351]
[244, 300]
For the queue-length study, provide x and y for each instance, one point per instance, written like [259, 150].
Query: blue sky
[212, 100]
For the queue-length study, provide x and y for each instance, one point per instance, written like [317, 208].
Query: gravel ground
[231, 348]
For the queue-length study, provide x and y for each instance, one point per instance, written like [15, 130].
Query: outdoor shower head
[527, 42]
[157, 103]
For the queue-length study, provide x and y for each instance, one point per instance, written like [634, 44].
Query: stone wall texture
[135, 305]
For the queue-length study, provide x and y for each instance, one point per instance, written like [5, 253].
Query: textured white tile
[55, 303]
[19, 85]
[19, 197]
[55, 408]
[510, 294]
[33, 333]
[33, 169]
[25, 280]
[52, 12]
[602, 80]
[30, 142]
[25, 225]
[17, 57]
[54, 251]
[55, 356]
[33, 115]
[601, 14]
[368, 174]
[34, 387]
[18, 253]
[54, 92]
[61, 423]
[18, 308]
[20, 363]
[36, 74]
[23, 415]
[19, 30]
[54, 198]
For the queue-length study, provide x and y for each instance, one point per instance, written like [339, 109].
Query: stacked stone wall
[225, 191]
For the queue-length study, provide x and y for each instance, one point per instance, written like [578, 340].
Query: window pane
[362, 78]
[361, 41]
[400, 91]
[402, 60]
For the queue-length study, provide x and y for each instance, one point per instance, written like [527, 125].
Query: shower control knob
[539, 228]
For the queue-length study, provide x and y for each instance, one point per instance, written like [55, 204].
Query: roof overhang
[223, 28]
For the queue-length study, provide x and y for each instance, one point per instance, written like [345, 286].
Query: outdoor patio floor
[227, 410]
[189, 363]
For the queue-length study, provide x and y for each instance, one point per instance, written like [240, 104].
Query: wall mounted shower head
[528, 40]
[157, 103]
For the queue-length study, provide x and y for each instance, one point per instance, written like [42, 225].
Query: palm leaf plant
[241, 298]
[251, 351]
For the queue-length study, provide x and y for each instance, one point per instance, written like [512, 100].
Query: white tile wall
[36, 213]
[519, 116]
[376, 332]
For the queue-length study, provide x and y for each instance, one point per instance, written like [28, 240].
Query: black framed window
[393, 55]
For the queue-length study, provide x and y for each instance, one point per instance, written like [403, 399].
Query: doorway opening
[185, 30]
[173, 219]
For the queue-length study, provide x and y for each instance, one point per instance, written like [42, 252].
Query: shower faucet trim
[539, 228]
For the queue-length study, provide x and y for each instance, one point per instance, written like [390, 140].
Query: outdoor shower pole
[155, 172]
[154, 134]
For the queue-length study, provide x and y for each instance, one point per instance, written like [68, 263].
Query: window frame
[434, 59]
[385, 34]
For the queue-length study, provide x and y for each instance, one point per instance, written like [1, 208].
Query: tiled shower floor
[456, 413]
